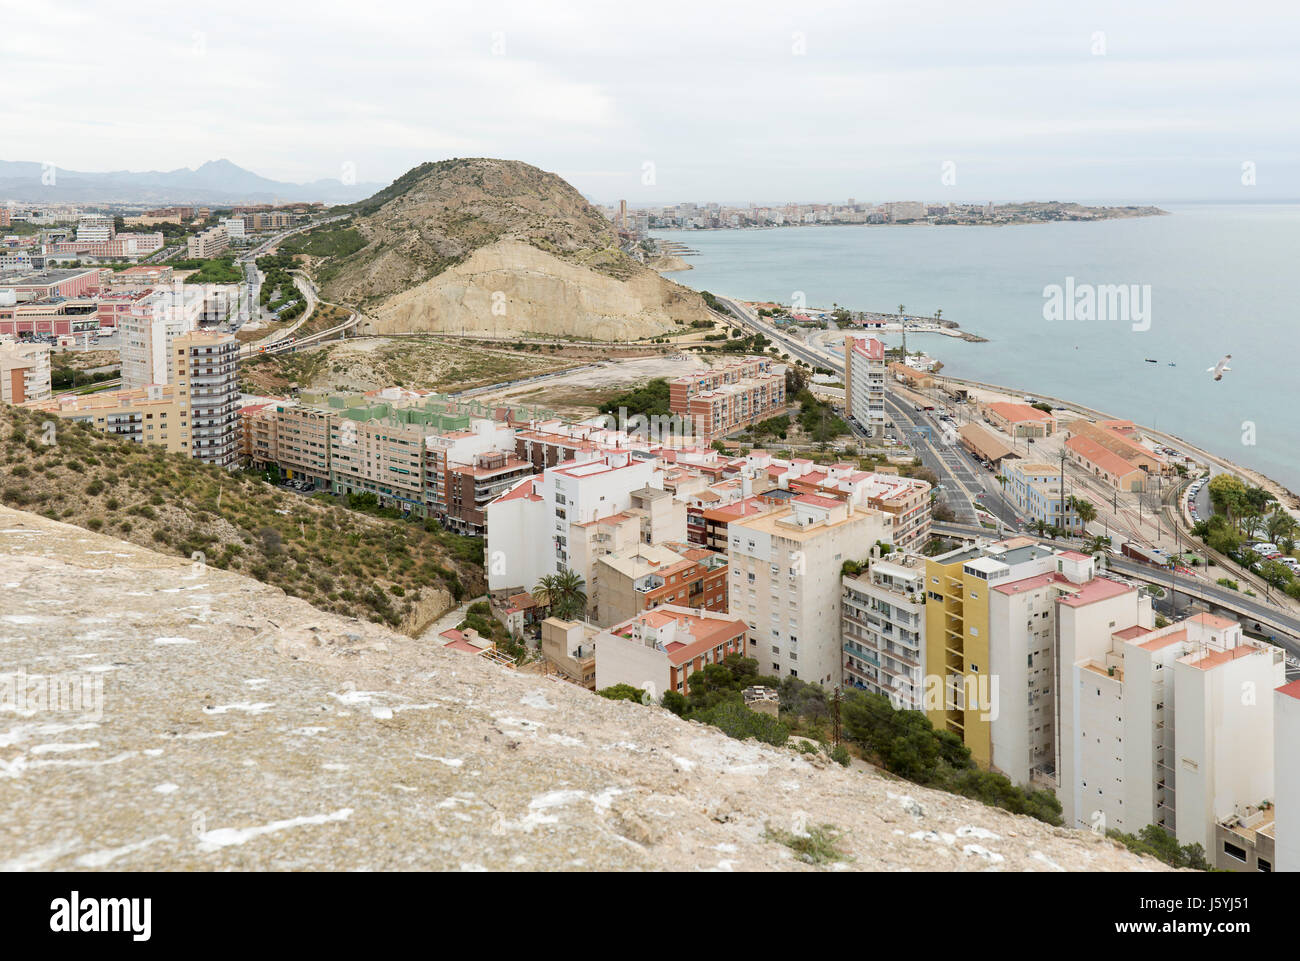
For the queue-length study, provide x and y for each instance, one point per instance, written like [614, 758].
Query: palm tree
[1040, 526]
[1250, 525]
[1280, 525]
[901, 308]
[563, 593]
[938, 314]
[1085, 511]
[1097, 544]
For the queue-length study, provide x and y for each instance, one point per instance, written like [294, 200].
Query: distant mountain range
[215, 182]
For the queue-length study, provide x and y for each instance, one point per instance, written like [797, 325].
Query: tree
[738, 721]
[1279, 526]
[1228, 497]
[796, 381]
[938, 314]
[564, 593]
[1276, 573]
[1224, 539]
[1250, 524]
[1084, 509]
[1097, 544]
[623, 692]
[675, 702]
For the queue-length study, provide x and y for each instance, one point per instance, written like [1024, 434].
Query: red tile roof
[1097, 589]
[1156, 643]
[1093, 452]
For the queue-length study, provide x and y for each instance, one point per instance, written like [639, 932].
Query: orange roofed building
[1020, 420]
[721, 400]
[658, 650]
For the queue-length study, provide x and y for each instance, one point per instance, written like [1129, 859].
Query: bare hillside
[496, 245]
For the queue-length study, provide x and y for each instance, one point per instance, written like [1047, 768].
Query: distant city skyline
[1115, 104]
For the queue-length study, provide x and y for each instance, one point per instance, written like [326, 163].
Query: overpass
[1255, 615]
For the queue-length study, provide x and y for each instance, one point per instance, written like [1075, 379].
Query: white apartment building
[573, 513]
[95, 229]
[659, 650]
[1057, 593]
[1170, 726]
[234, 228]
[24, 372]
[905, 500]
[864, 382]
[1286, 777]
[147, 332]
[786, 582]
[209, 243]
[883, 618]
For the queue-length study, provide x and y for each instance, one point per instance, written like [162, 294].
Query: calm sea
[1219, 280]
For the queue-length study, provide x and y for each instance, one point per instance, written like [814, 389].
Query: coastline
[938, 222]
[1288, 498]
[1246, 473]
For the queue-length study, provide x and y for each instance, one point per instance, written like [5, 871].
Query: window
[1232, 851]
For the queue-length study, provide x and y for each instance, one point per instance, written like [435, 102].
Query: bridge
[1255, 614]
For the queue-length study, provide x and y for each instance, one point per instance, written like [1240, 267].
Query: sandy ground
[584, 388]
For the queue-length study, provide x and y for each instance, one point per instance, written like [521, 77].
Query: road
[1256, 614]
[966, 487]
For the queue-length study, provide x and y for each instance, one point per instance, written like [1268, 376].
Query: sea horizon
[1210, 273]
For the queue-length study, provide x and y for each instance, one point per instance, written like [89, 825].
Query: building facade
[883, 629]
[864, 383]
[24, 372]
[785, 569]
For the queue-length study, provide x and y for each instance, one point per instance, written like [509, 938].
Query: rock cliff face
[511, 287]
[237, 728]
[498, 245]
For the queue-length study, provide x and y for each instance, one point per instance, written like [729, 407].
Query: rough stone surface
[540, 294]
[243, 729]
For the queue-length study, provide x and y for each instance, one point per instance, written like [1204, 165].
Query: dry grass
[339, 560]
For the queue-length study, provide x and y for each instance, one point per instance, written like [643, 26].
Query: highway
[283, 340]
[967, 487]
[1256, 615]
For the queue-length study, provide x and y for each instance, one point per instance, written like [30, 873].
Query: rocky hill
[394, 571]
[226, 726]
[497, 245]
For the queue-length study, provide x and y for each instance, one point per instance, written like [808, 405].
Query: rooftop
[1017, 413]
[1107, 460]
[1097, 589]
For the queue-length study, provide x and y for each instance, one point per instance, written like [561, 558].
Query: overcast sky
[746, 101]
